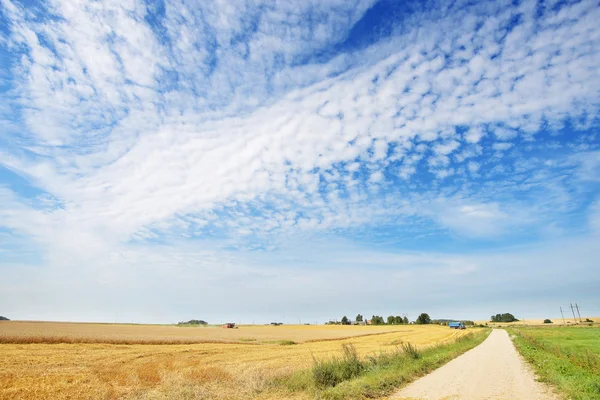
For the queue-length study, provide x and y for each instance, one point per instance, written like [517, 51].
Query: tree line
[379, 320]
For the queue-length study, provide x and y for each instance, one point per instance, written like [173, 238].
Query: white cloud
[502, 146]
[473, 167]
[474, 135]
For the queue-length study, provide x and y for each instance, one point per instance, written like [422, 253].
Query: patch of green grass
[247, 339]
[349, 376]
[282, 342]
[565, 357]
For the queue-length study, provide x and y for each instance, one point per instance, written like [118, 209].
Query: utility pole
[577, 307]
[573, 311]
[563, 316]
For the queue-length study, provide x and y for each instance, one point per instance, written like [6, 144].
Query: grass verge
[349, 376]
[566, 357]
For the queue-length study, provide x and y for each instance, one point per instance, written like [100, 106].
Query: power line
[577, 307]
[573, 311]
[563, 316]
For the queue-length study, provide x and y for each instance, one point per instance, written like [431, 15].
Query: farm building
[456, 325]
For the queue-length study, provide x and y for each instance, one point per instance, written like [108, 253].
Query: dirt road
[494, 370]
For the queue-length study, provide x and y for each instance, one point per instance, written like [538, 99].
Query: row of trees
[379, 320]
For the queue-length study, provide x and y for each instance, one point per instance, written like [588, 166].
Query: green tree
[398, 320]
[377, 320]
[423, 319]
[506, 317]
[405, 320]
[345, 320]
[391, 320]
[359, 318]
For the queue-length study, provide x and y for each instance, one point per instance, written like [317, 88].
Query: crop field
[230, 364]
[61, 332]
[568, 357]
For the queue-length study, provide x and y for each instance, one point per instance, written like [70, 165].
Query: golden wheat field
[230, 364]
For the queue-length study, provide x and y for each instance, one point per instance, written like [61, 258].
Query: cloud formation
[146, 128]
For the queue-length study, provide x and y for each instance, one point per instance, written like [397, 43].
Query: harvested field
[65, 332]
[243, 369]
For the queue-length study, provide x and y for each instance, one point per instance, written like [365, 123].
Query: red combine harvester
[229, 325]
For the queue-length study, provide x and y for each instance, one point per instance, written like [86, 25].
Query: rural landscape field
[231, 364]
[419, 180]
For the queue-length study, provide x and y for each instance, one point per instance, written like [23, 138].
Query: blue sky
[253, 161]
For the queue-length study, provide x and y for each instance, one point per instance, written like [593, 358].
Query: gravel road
[494, 370]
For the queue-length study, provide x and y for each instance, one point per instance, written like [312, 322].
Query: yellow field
[56, 332]
[236, 370]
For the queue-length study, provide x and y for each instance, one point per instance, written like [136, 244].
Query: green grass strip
[567, 358]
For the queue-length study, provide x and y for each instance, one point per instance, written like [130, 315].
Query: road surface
[494, 370]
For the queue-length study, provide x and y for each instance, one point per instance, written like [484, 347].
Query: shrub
[411, 351]
[547, 321]
[336, 370]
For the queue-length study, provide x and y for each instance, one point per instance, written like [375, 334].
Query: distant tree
[391, 320]
[405, 320]
[359, 318]
[4, 318]
[547, 321]
[193, 322]
[506, 317]
[398, 320]
[423, 319]
[377, 320]
[345, 320]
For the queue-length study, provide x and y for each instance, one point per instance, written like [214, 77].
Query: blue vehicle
[457, 325]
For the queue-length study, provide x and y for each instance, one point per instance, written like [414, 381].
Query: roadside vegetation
[350, 376]
[565, 357]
